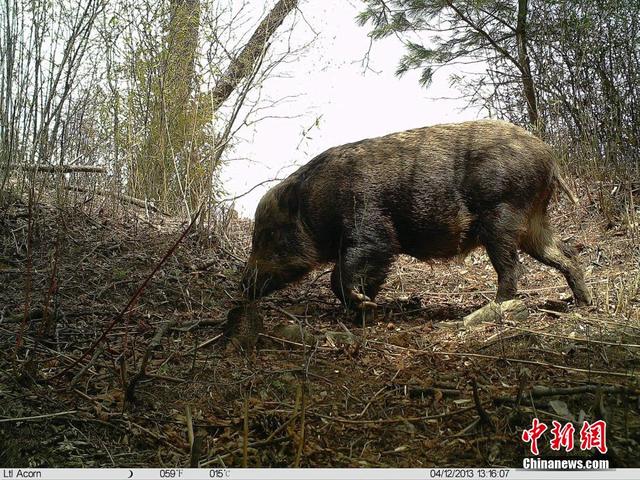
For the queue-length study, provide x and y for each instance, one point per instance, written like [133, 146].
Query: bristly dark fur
[429, 192]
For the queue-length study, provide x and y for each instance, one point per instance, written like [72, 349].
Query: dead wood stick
[60, 168]
[259, 443]
[478, 404]
[288, 314]
[375, 395]
[155, 343]
[514, 360]
[125, 198]
[196, 449]
[542, 391]
[588, 319]
[489, 292]
[166, 378]
[420, 391]
[187, 327]
[130, 425]
[189, 418]
[37, 417]
[84, 369]
[195, 439]
[245, 433]
[466, 429]
[283, 426]
[205, 343]
[566, 337]
[290, 342]
[382, 421]
[301, 435]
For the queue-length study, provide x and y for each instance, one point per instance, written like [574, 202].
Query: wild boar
[433, 192]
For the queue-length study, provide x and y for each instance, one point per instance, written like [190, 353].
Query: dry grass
[396, 391]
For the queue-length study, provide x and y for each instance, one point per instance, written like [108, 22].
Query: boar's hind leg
[542, 244]
[499, 235]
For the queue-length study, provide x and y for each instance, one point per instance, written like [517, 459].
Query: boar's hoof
[583, 300]
[363, 302]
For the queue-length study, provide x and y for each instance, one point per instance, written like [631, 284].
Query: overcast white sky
[329, 82]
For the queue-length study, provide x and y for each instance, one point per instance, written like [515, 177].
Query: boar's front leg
[350, 292]
[363, 264]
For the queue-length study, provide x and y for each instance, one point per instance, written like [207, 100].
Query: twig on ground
[189, 419]
[543, 391]
[484, 418]
[514, 360]
[206, 343]
[245, 433]
[37, 417]
[301, 435]
[393, 420]
[88, 365]
[153, 344]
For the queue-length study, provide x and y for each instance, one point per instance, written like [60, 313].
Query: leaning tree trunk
[242, 66]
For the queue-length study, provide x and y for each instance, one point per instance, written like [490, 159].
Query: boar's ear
[289, 198]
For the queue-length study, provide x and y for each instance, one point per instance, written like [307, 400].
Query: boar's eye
[263, 237]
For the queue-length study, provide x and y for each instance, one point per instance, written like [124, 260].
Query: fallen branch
[393, 420]
[205, 343]
[567, 337]
[542, 391]
[60, 168]
[259, 443]
[125, 198]
[84, 369]
[290, 342]
[484, 418]
[37, 417]
[417, 392]
[155, 343]
[187, 327]
[514, 360]
[245, 433]
[301, 435]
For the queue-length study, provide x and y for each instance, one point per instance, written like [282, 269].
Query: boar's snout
[256, 282]
[261, 278]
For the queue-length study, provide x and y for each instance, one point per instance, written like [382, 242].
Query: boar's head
[282, 250]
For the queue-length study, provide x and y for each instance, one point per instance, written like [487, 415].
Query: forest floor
[409, 386]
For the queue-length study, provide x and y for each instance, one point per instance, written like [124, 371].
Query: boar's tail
[564, 187]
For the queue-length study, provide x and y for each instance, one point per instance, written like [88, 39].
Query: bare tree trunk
[182, 46]
[172, 122]
[528, 85]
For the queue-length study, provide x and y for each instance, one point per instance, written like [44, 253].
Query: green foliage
[439, 32]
